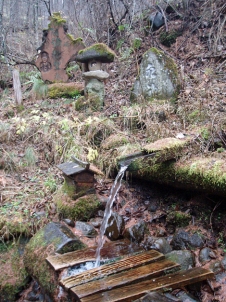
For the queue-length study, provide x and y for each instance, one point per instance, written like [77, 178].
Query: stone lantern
[93, 58]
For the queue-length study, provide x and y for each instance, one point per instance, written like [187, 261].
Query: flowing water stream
[108, 210]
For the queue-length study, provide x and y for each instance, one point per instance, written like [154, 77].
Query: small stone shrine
[93, 59]
[79, 175]
[57, 50]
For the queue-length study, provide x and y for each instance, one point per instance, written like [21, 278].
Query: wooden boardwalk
[126, 279]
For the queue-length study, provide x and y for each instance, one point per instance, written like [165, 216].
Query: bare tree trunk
[1, 25]
[35, 10]
[17, 87]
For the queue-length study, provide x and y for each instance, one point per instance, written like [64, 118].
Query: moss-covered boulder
[114, 141]
[54, 237]
[99, 51]
[82, 208]
[13, 277]
[158, 77]
[66, 90]
[205, 174]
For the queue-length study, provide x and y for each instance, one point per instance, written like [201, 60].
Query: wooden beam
[124, 278]
[112, 268]
[110, 250]
[129, 293]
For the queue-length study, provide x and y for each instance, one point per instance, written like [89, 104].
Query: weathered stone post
[93, 58]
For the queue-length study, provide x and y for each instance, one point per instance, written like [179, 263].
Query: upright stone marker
[158, 77]
[57, 50]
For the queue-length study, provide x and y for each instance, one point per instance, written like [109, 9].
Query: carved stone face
[94, 65]
[45, 65]
[44, 57]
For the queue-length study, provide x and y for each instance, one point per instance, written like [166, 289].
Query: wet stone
[183, 240]
[115, 226]
[161, 245]
[96, 222]
[216, 267]
[204, 255]
[69, 222]
[184, 258]
[183, 296]
[85, 228]
[136, 232]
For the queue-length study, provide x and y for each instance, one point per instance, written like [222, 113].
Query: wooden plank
[110, 250]
[112, 268]
[134, 275]
[130, 292]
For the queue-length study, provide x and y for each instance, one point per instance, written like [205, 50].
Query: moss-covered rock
[158, 77]
[52, 238]
[199, 173]
[114, 141]
[169, 38]
[66, 90]
[178, 219]
[98, 51]
[82, 208]
[13, 276]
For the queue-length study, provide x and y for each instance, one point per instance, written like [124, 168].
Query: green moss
[36, 252]
[205, 133]
[81, 209]
[98, 51]
[100, 48]
[73, 40]
[169, 38]
[81, 104]
[200, 173]
[136, 43]
[69, 187]
[178, 218]
[114, 141]
[63, 91]
[12, 265]
[57, 19]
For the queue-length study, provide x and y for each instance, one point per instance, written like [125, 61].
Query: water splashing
[108, 210]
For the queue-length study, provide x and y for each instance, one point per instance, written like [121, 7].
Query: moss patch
[73, 40]
[178, 218]
[66, 90]
[82, 208]
[207, 174]
[45, 243]
[114, 141]
[56, 19]
[13, 276]
[169, 38]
